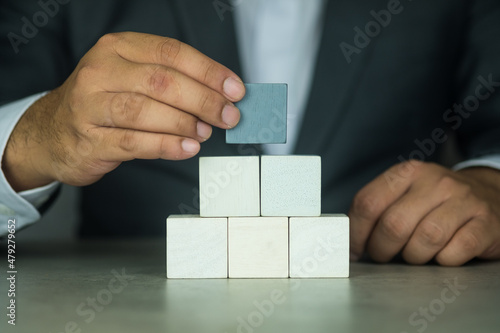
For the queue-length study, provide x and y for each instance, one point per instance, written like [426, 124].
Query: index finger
[152, 49]
[372, 201]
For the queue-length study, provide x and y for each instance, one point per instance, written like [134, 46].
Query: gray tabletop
[114, 286]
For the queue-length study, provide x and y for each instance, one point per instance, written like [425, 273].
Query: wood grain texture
[258, 247]
[290, 185]
[263, 115]
[229, 186]
[196, 247]
[319, 246]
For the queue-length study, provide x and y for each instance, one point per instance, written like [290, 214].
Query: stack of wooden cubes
[260, 217]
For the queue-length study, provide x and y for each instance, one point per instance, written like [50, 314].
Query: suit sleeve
[33, 48]
[476, 114]
[34, 59]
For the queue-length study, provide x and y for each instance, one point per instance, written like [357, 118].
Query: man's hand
[426, 211]
[131, 96]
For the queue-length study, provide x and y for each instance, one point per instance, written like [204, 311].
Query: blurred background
[60, 222]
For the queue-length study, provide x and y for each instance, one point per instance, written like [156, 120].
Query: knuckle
[179, 126]
[467, 190]
[96, 136]
[160, 80]
[209, 71]
[110, 39]
[74, 102]
[84, 75]
[185, 126]
[206, 102]
[407, 169]
[394, 227]
[416, 164]
[134, 107]
[448, 184]
[365, 205]
[484, 208]
[464, 188]
[454, 186]
[163, 148]
[431, 166]
[432, 234]
[469, 242]
[167, 150]
[168, 51]
[117, 105]
[127, 141]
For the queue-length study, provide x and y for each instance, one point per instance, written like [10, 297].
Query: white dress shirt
[278, 42]
[21, 206]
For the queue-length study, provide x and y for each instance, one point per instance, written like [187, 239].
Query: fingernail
[204, 130]
[234, 89]
[353, 257]
[190, 146]
[230, 115]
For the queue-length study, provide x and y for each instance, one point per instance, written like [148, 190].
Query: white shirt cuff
[38, 196]
[490, 161]
[19, 206]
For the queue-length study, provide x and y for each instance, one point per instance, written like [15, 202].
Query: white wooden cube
[258, 247]
[290, 185]
[196, 247]
[319, 246]
[229, 186]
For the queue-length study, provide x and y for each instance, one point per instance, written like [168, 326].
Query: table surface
[72, 287]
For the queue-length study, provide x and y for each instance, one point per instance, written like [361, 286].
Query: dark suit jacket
[361, 117]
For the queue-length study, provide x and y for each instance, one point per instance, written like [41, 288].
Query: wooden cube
[229, 186]
[290, 185]
[319, 246]
[196, 247]
[263, 115]
[258, 247]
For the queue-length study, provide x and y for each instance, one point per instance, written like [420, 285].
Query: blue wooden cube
[263, 115]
